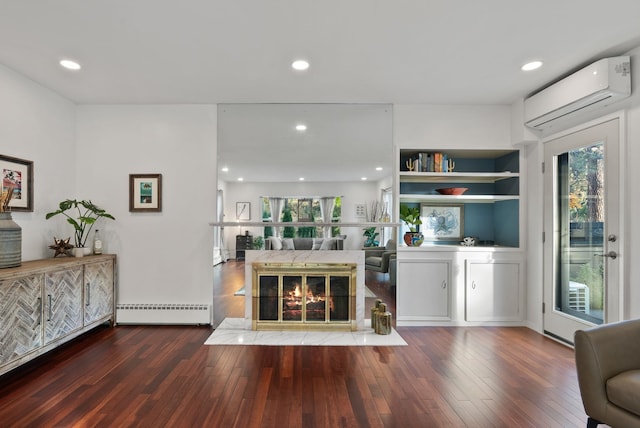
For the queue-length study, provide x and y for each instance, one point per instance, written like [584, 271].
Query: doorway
[581, 230]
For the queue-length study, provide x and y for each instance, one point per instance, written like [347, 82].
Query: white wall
[451, 127]
[353, 193]
[37, 124]
[163, 257]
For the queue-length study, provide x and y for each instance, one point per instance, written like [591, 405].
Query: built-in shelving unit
[491, 204]
[443, 282]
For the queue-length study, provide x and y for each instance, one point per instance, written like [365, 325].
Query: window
[307, 209]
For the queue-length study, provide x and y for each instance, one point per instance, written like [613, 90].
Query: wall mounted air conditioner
[597, 85]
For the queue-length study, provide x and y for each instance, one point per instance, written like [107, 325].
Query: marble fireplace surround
[302, 256]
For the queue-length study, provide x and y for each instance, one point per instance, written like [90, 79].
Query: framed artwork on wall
[17, 174]
[243, 211]
[442, 222]
[145, 192]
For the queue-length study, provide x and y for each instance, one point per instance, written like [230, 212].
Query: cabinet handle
[444, 284]
[49, 314]
[88, 295]
[39, 310]
[473, 285]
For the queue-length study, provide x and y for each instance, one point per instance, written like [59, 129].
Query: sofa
[608, 368]
[273, 243]
[378, 258]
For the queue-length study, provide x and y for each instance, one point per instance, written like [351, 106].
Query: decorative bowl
[452, 190]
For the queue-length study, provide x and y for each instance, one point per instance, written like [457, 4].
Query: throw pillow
[317, 243]
[276, 243]
[328, 244]
[287, 244]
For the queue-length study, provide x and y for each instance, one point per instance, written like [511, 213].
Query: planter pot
[78, 252]
[10, 242]
[413, 239]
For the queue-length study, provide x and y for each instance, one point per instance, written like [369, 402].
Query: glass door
[581, 230]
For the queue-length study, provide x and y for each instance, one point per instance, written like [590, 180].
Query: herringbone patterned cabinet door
[63, 303]
[20, 316]
[98, 298]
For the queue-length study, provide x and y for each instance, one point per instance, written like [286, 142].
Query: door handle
[611, 254]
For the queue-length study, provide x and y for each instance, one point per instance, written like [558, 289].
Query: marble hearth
[297, 257]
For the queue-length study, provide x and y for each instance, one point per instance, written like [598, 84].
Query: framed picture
[243, 211]
[18, 174]
[304, 209]
[442, 222]
[145, 192]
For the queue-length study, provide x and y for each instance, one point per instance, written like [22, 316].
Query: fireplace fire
[319, 296]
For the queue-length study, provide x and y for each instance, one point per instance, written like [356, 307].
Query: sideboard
[45, 303]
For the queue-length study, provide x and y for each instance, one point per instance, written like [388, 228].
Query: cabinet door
[20, 316]
[63, 303]
[493, 291]
[98, 291]
[423, 290]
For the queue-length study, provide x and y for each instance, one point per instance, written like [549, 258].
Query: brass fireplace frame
[304, 269]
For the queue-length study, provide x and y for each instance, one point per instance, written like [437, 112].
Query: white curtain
[326, 211]
[219, 253]
[275, 204]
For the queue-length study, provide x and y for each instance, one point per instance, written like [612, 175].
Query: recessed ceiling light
[69, 64]
[240, 179]
[363, 178]
[225, 169]
[533, 65]
[300, 65]
[378, 168]
[301, 178]
[301, 127]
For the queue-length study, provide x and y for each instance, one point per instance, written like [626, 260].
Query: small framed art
[442, 222]
[17, 174]
[145, 192]
[243, 211]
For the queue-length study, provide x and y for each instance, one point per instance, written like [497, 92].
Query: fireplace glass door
[306, 297]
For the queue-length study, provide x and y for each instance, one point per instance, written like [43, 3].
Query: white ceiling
[392, 51]
[361, 51]
[343, 142]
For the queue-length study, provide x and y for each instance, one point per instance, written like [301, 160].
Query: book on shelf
[430, 162]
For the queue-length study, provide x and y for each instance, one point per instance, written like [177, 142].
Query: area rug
[232, 331]
[367, 292]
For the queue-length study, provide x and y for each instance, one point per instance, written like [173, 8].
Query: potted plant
[257, 243]
[87, 214]
[411, 217]
[371, 235]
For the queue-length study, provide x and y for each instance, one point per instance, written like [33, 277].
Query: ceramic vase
[10, 242]
[413, 239]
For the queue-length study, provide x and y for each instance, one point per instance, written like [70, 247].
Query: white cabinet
[425, 294]
[45, 303]
[493, 291]
[459, 286]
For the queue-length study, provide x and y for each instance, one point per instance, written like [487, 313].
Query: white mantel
[303, 256]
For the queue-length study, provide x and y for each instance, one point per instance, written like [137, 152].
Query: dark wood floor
[165, 377]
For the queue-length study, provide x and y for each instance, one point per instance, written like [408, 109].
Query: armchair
[377, 258]
[608, 368]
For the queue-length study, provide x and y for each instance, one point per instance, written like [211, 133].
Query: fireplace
[304, 296]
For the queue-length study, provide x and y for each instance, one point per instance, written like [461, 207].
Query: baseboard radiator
[159, 313]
